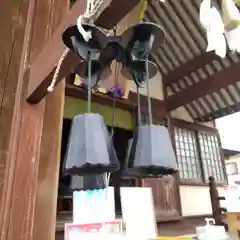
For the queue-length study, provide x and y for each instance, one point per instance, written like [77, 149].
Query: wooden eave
[206, 85]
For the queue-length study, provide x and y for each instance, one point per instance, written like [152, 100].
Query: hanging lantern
[151, 151]
[231, 20]
[90, 149]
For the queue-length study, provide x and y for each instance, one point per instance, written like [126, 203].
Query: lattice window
[211, 157]
[187, 154]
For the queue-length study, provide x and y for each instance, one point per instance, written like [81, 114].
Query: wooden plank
[158, 106]
[45, 63]
[164, 198]
[50, 150]
[212, 84]
[10, 48]
[115, 13]
[46, 202]
[189, 67]
[9, 17]
[22, 165]
[7, 113]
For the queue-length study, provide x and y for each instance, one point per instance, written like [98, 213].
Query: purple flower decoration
[115, 91]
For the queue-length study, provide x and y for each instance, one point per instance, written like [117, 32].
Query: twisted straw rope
[59, 64]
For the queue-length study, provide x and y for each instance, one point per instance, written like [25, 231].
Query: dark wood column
[46, 202]
[50, 149]
[23, 180]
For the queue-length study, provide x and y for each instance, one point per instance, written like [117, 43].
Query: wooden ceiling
[206, 85]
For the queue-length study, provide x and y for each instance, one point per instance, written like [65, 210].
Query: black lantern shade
[138, 71]
[90, 149]
[75, 42]
[138, 36]
[152, 152]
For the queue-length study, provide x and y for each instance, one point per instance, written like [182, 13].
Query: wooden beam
[115, 12]
[46, 61]
[189, 67]
[43, 66]
[219, 113]
[212, 84]
[158, 106]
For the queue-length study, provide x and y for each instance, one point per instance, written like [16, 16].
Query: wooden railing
[217, 210]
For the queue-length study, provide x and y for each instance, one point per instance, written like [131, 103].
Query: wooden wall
[26, 26]
[13, 18]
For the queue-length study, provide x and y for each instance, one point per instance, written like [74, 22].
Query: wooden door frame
[170, 125]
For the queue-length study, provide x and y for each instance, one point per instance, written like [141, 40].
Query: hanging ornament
[151, 151]
[90, 148]
[231, 20]
[211, 21]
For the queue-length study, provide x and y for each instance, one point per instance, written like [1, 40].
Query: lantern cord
[139, 107]
[148, 93]
[89, 81]
[113, 117]
[93, 7]
[56, 73]
[116, 70]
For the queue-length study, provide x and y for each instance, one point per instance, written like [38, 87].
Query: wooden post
[20, 188]
[216, 208]
[46, 202]
[12, 39]
[50, 150]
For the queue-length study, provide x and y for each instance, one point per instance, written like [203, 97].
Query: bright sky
[229, 129]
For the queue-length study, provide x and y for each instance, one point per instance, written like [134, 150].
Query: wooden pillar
[19, 199]
[214, 196]
[50, 150]
[46, 202]
[12, 39]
